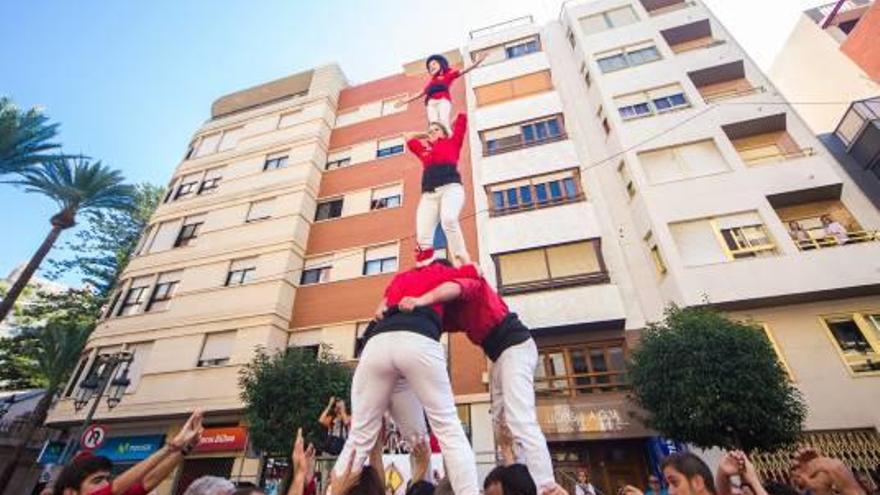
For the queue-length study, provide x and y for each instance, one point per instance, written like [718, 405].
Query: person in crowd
[798, 234]
[210, 485]
[420, 462]
[336, 422]
[438, 99]
[686, 474]
[366, 479]
[303, 462]
[406, 345]
[583, 486]
[736, 473]
[823, 475]
[654, 486]
[442, 193]
[472, 305]
[834, 229]
[89, 474]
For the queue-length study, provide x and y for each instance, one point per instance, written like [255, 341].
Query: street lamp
[102, 375]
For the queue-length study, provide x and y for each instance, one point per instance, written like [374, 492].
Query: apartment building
[720, 193]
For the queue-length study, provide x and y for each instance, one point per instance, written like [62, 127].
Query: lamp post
[102, 376]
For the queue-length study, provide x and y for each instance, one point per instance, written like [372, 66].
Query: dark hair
[248, 490]
[74, 473]
[515, 480]
[440, 59]
[774, 488]
[442, 261]
[369, 483]
[690, 466]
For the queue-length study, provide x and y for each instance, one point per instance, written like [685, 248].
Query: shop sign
[583, 419]
[131, 448]
[233, 438]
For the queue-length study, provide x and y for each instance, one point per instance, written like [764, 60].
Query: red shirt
[477, 310]
[445, 79]
[443, 151]
[135, 489]
[419, 280]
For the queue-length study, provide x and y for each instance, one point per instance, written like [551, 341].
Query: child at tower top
[438, 101]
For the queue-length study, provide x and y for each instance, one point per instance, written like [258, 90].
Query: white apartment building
[697, 183]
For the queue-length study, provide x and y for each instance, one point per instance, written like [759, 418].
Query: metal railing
[502, 26]
[581, 383]
[670, 8]
[536, 204]
[854, 237]
[775, 155]
[727, 94]
[518, 142]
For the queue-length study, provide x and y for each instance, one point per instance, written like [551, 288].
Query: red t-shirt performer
[404, 347]
[438, 100]
[442, 193]
[473, 306]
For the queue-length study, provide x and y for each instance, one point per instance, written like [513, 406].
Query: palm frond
[25, 137]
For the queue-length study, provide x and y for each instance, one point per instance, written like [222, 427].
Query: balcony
[660, 7]
[819, 223]
[500, 27]
[859, 130]
[523, 135]
[723, 82]
[764, 140]
[689, 37]
[581, 369]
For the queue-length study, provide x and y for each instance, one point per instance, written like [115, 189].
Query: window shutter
[218, 346]
[391, 142]
[525, 266]
[622, 16]
[288, 119]
[573, 259]
[380, 252]
[261, 209]
[230, 139]
[387, 191]
[208, 144]
[165, 236]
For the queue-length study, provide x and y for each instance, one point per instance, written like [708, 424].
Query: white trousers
[513, 396]
[442, 206]
[438, 110]
[387, 358]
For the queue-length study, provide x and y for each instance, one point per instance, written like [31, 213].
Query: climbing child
[438, 101]
[442, 193]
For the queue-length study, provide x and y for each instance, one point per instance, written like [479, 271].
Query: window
[623, 58]
[329, 209]
[509, 50]
[230, 139]
[74, 381]
[140, 354]
[532, 133]
[628, 185]
[316, 270]
[217, 349]
[288, 119]
[651, 102]
[654, 251]
[215, 142]
[211, 181]
[164, 290]
[610, 19]
[275, 162]
[135, 295]
[260, 210]
[570, 36]
[389, 147]
[857, 338]
[721, 239]
[683, 161]
[165, 235]
[338, 159]
[510, 89]
[117, 294]
[690, 36]
[188, 185]
[241, 271]
[603, 119]
[190, 230]
[535, 192]
[550, 267]
[587, 80]
[385, 197]
[207, 145]
[381, 259]
[581, 369]
[390, 107]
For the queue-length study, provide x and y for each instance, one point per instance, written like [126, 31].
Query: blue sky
[131, 81]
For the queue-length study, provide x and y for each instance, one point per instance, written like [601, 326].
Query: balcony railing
[537, 204]
[516, 142]
[525, 20]
[772, 155]
[555, 283]
[581, 383]
[854, 237]
[687, 46]
[727, 94]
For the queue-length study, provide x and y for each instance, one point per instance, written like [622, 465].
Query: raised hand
[343, 483]
[421, 458]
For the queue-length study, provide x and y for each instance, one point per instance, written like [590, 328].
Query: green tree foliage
[25, 137]
[707, 380]
[101, 251]
[287, 390]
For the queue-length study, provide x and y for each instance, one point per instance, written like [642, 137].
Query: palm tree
[54, 350]
[25, 137]
[76, 185]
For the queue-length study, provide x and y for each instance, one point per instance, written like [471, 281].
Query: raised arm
[325, 419]
[476, 64]
[459, 129]
[420, 94]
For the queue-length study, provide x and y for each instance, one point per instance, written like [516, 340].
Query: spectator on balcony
[583, 485]
[798, 234]
[336, 421]
[834, 229]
